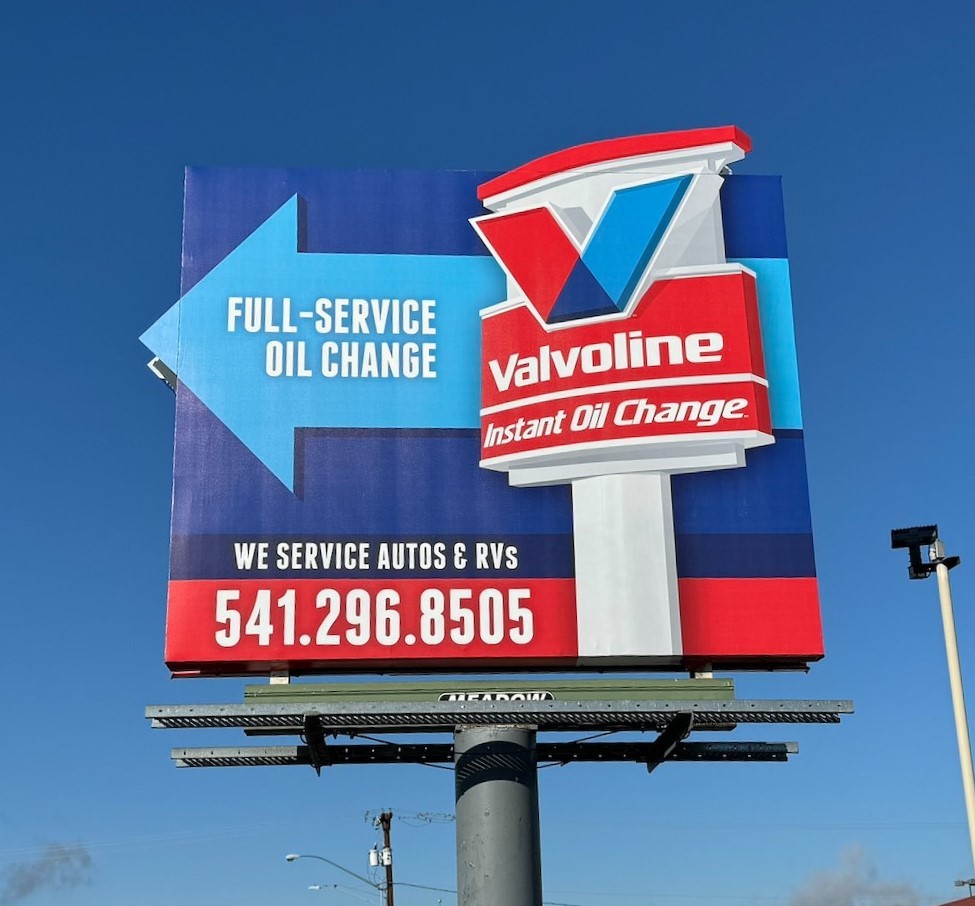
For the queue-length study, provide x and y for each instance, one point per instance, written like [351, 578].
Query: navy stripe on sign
[768, 496]
[388, 212]
[753, 217]
[538, 556]
[436, 557]
[425, 482]
[420, 482]
[405, 212]
[397, 482]
[745, 556]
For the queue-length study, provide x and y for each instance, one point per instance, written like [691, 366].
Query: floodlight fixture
[914, 539]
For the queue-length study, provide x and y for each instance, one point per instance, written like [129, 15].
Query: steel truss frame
[673, 721]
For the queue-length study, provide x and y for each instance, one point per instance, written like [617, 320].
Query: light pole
[293, 857]
[352, 890]
[914, 539]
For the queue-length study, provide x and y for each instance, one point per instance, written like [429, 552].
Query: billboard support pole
[498, 841]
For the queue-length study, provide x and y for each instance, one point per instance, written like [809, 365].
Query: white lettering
[375, 316]
[627, 350]
[705, 414]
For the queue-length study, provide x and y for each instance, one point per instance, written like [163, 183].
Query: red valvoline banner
[687, 363]
[470, 421]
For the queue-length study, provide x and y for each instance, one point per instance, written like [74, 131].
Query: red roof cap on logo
[611, 149]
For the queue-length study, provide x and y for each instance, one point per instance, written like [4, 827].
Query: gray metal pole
[958, 699]
[498, 843]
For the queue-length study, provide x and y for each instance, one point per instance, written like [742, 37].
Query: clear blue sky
[864, 108]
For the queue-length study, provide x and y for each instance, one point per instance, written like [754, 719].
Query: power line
[412, 818]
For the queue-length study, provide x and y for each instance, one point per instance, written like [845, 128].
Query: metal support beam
[314, 737]
[443, 753]
[498, 840]
[662, 747]
[434, 717]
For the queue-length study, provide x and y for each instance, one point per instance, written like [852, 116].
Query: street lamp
[914, 539]
[383, 890]
[352, 890]
[293, 857]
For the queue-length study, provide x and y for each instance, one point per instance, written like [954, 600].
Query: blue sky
[864, 108]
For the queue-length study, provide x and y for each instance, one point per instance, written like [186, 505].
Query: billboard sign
[456, 421]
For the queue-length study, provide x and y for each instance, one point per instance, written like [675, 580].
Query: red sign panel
[687, 363]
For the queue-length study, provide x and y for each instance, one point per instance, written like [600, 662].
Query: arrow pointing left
[231, 366]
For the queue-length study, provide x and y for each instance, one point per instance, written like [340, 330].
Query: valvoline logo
[628, 349]
[625, 329]
[564, 279]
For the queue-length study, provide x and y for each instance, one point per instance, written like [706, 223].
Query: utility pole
[385, 820]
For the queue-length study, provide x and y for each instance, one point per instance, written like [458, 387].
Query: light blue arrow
[226, 369]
